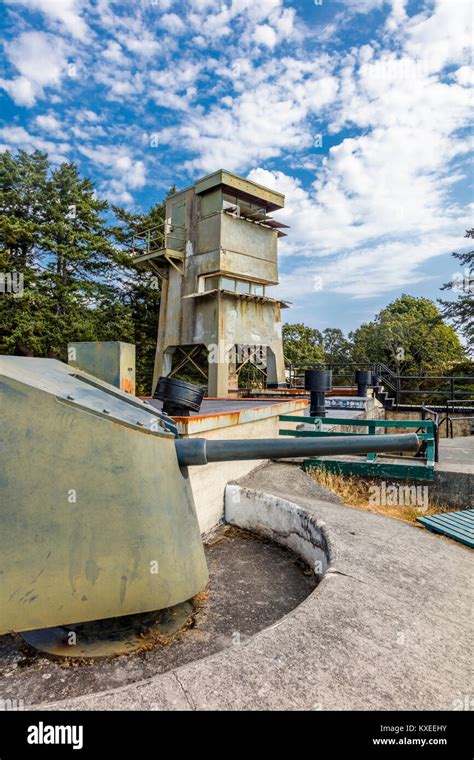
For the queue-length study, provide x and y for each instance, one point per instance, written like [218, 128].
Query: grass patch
[402, 500]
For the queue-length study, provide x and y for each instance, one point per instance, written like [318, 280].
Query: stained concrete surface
[253, 583]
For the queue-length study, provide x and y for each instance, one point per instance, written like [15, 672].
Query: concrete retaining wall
[209, 482]
[282, 521]
[461, 427]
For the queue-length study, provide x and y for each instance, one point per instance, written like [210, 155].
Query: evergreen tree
[461, 310]
[23, 192]
[53, 233]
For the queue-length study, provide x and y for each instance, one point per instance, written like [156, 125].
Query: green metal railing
[372, 466]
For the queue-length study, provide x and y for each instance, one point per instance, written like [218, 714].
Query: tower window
[235, 285]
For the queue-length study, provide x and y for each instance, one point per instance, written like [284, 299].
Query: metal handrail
[392, 380]
[424, 411]
[448, 419]
[158, 237]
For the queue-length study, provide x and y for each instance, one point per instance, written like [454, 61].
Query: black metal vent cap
[178, 396]
[363, 377]
[318, 380]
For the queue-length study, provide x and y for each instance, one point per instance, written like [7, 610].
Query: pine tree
[53, 232]
[461, 311]
[23, 191]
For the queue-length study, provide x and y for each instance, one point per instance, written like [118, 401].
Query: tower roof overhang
[244, 188]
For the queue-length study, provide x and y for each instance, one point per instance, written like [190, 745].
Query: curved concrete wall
[282, 521]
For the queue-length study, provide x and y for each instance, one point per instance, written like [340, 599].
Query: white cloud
[121, 83]
[380, 206]
[441, 38]
[88, 115]
[172, 23]
[21, 90]
[18, 138]
[269, 114]
[363, 6]
[113, 52]
[175, 87]
[284, 23]
[142, 43]
[66, 12]
[49, 123]
[219, 24]
[40, 60]
[371, 271]
[464, 76]
[265, 35]
[124, 172]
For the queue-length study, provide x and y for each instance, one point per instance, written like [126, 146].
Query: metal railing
[448, 419]
[425, 410]
[398, 386]
[374, 464]
[423, 385]
[157, 238]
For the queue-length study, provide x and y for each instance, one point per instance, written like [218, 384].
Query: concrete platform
[213, 406]
[389, 627]
[456, 454]
[256, 407]
[454, 473]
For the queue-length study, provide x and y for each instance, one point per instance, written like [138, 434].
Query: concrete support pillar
[161, 336]
[275, 366]
[163, 364]
[218, 379]
[233, 378]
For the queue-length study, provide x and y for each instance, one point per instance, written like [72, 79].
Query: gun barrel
[199, 451]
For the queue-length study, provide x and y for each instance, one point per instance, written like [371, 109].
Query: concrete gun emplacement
[96, 493]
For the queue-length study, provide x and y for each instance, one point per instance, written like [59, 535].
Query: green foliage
[461, 310]
[410, 337]
[79, 281]
[302, 344]
[139, 293]
[53, 234]
[336, 346]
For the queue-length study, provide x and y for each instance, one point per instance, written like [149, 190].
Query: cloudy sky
[357, 110]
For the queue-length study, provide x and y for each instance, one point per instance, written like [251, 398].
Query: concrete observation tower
[216, 254]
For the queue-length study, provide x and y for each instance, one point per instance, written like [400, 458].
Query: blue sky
[357, 110]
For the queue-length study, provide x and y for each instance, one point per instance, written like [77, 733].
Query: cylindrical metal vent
[179, 398]
[363, 379]
[318, 382]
